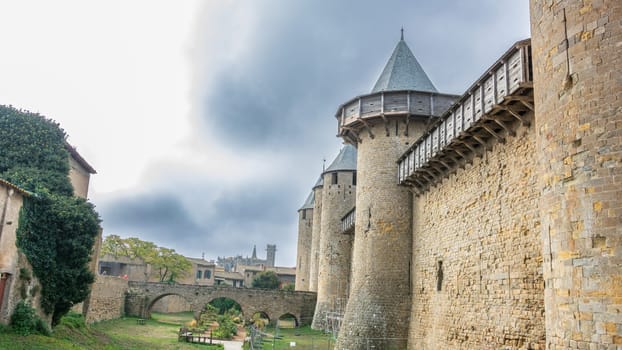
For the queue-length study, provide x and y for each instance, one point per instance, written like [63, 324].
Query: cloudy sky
[208, 121]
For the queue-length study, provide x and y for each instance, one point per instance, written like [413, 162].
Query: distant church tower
[382, 125]
[270, 255]
[305, 229]
[335, 247]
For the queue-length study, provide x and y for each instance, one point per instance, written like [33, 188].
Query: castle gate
[141, 296]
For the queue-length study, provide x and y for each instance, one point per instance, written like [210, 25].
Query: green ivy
[56, 230]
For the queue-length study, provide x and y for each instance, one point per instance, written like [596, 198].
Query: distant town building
[230, 263]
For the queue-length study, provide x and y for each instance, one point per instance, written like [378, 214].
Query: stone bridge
[141, 296]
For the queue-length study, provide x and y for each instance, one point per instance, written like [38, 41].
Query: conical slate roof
[310, 202]
[320, 182]
[403, 72]
[345, 160]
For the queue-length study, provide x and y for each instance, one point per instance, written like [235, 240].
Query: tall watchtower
[315, 235]
[382, 125]
[305, 227]
[338, 197]
[577, 90]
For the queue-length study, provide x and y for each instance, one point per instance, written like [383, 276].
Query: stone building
[16, 283]
[11, 199]
[496, 215]
[229, 263]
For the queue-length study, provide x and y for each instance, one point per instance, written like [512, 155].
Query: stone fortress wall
[477, 264]
[520, 247]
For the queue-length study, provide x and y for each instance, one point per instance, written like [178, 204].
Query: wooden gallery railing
[347, 222]
[491, 109]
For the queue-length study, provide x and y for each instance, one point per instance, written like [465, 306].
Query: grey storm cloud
[300, 61]
[155, 216]
[194, 223]
[308, 57]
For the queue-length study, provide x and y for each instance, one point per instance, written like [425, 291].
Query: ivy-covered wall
[56, 230]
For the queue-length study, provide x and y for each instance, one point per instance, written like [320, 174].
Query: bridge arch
[287, 318]
[141, 296]
[160, 297]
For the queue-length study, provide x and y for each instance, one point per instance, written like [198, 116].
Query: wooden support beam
[492, 132]
[509, 130]
[367, 126]
[467, 146]
[433, 164]
[426, 176]
[525, 100]
[482, 142]
[520, 118]
[432, 175]
[353, 132]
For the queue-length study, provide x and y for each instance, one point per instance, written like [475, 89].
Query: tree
[165, 262]
[266, 280]
[56, 230]
[169, 264]
[225, 304]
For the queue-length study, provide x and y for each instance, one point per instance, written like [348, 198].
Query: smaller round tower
[315, 234]
[305, 229]
[338, 197]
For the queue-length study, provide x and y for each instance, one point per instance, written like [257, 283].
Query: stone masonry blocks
[305, 231]
[315, 239]
[577, 88]
[482, 224]
[335, 247]
[377, 313]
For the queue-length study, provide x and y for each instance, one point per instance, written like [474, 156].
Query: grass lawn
[304, 337]
[121, 334]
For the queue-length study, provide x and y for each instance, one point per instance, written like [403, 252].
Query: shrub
[24, 321]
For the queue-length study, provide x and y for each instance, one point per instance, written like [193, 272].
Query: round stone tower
[315, 235]
[305, 227]
[382, 125]
[577, 66]
[338, 196]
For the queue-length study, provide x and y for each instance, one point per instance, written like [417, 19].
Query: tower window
[334, 179]
[304, 214]
[354, 179]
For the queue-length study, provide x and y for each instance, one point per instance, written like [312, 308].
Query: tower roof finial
[402, 36]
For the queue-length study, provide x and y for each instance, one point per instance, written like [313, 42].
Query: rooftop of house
[15, 187]
[228, 275]
[199, 261]
[78, 158]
